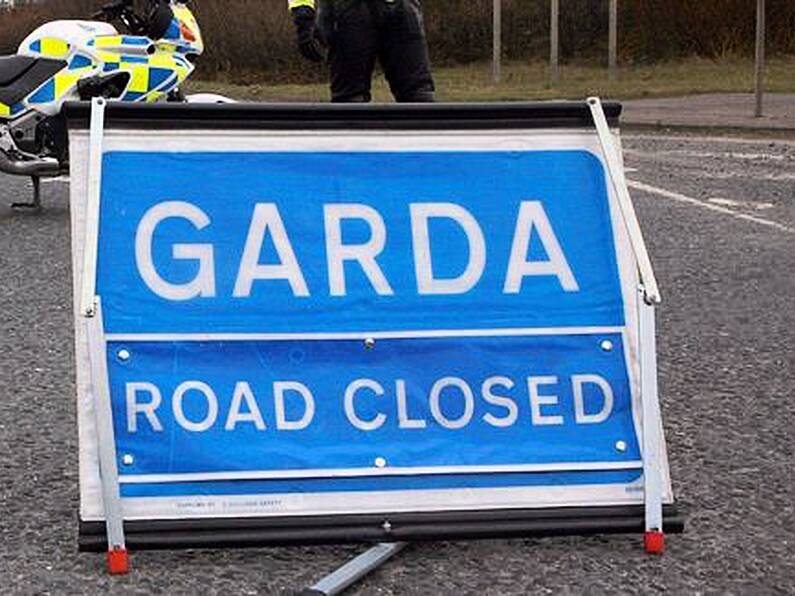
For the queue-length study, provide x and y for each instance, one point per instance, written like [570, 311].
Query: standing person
[359, 32]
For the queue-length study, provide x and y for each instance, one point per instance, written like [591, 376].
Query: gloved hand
[308, 41]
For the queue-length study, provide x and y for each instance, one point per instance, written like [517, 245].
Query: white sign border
[353, 141]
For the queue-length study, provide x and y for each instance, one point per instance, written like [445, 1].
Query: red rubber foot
[118, 561]
[654, 542]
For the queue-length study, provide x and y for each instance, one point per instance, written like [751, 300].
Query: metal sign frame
[114, 534]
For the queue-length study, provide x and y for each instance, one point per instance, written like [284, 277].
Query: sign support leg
[94, 183]
[616, 174]
[654, 539]
[344, 577]
[118, 561]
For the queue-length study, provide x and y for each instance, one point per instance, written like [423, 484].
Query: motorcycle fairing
[150, 75]
[73, 59]
[123, 44]
[90, 50]
[184, 31]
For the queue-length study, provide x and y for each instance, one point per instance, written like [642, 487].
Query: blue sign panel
[238, 289]
[333, 242]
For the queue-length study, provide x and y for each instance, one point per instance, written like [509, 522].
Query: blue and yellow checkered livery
[291, 4]
[152, 67]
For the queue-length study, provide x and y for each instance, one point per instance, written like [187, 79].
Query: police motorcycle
[82, 59]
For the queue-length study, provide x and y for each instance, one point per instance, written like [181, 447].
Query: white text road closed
[287, 405]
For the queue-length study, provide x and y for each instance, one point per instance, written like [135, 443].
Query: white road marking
[739, 175]
[707, 139]
[59, 179]
[725, 202]
[706, 155]
[740, 204]
[748, 156]
[647, 188]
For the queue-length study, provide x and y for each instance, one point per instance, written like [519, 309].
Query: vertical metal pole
[613, 41]
[760, 57]
[497, 41]
[92, 205]
[652, 428]
[554, 41]
[106, 443]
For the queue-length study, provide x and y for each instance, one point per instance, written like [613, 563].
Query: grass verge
[529, 81]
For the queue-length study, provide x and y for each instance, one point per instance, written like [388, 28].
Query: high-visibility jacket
[291, 4]
[298, 3]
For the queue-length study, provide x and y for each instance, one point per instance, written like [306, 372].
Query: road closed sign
[307, 320]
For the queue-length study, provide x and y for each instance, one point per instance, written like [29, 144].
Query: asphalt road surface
[719, 216]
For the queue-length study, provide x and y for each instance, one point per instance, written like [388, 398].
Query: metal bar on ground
[108, 469]
[344, 577]
[616, 174]
[496, 72]
[612, 59]
[760, 58]
[651, 424]
[554, 41]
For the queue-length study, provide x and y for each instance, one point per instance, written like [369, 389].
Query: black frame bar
[259, 116]
[373, 528]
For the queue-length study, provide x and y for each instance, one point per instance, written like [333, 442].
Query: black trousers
[359, 32]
